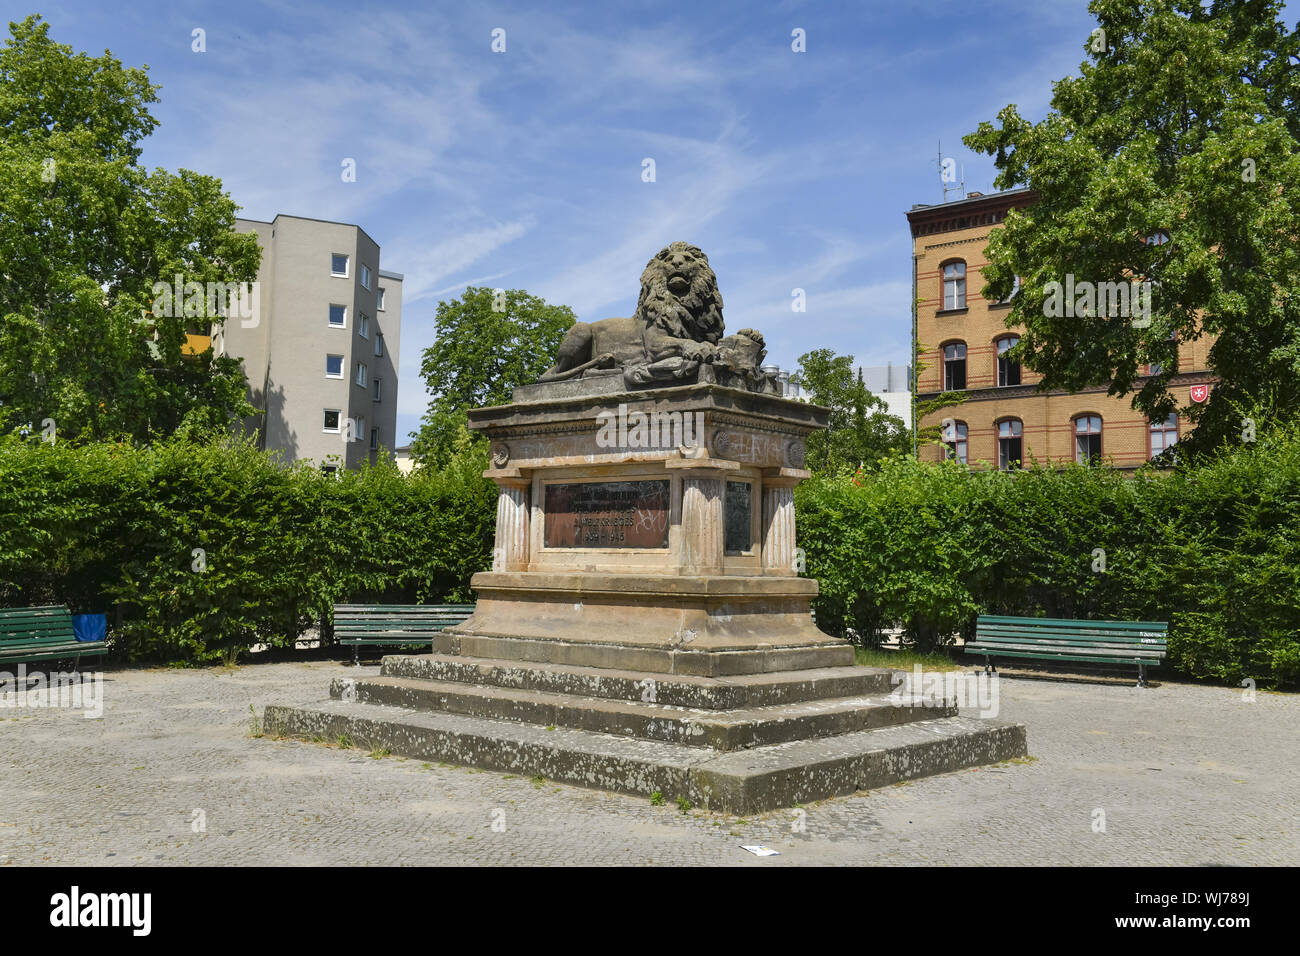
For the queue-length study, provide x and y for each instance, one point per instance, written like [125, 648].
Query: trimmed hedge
[1214, 550]
[199, 551]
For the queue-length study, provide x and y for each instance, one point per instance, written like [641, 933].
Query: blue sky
[523, 169]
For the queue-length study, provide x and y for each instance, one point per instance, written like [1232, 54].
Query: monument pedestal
[652, 530]
[644, 628]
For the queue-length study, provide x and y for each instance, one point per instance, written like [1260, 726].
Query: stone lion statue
[677, 325]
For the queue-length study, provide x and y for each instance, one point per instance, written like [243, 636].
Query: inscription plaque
[607, 514]
[737, 513]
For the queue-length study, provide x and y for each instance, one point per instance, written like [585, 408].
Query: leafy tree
[480, 356]
[1182, 126]
[861, 429]
[85, 233]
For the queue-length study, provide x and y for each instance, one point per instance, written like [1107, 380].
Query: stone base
[700, 625]
[740, 744]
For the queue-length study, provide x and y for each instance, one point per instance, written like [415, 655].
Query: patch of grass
[344, 741]
[904, 660]
[538, 780]
[683, 805]
[254, 722]
[378, 753]
[656, 799]
[550, 727]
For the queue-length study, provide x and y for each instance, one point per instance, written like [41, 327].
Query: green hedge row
[196, 552]
[1214, 550]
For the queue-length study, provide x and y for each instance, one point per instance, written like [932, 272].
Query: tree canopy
[861, 431]
[1171, 159]
[481, 354]
[85, 233]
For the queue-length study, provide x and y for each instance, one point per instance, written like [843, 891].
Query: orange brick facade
[956, 234]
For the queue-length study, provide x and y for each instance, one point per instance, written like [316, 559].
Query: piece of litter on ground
[759, 850]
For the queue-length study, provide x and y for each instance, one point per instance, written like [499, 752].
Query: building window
[365, 277]
[334, 366]
[358, 427]
[380, 305]
[954, 437]
[338, 316]
[328, 470]
[1087, 439]
[374, 439]
[361, 374]
[379, 389]
[1164, 435]
[1010, 444]
[332, 420]
[954, 367]
[379, 344]
[1008, 370]
[954, 285]
[339, 265]
[363, 326]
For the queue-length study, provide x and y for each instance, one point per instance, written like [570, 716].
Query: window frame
[342, 359]
[347, 265]
[1163, 429]
[338, 421]
[329, 319]
[959, 285]
[367, 277]
[965, 369]
[1005, 365]
[361, 375]
[379, 300]
[959, 448]
[1017, 426]
[377, 393]
[363, 325]
[1088, 417]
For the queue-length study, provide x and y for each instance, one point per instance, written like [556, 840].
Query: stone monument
[644, 604]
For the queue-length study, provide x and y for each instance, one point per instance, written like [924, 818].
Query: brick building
[960, 337]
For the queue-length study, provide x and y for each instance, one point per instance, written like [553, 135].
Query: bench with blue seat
[29, 634]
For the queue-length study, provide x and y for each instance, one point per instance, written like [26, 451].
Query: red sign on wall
[1200, 393]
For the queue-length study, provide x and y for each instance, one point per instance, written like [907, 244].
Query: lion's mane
[697, 314]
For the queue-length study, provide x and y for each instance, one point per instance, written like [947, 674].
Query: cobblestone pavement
[1183, 774]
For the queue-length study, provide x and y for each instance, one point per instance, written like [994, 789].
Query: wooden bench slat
[1128, 654]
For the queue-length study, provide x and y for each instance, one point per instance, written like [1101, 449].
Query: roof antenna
[948, 174]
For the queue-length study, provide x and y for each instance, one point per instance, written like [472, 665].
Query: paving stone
[1184, 774]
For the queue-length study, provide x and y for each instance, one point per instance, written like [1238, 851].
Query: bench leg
[1142, 674]
[988, 665]
[356, 655]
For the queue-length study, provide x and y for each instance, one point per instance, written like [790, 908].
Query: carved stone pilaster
[703, 534]
[779, 537]
[510, 547]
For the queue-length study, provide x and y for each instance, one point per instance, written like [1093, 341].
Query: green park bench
[372, 625]
[1056, 639]
[42, 634]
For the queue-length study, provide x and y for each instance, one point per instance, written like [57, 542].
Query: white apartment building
[321, 347]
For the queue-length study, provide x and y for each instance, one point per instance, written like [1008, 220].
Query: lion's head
[679, 294]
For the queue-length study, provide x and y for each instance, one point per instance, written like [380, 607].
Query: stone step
[742, 782]
[712, 693]
[719, 730]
